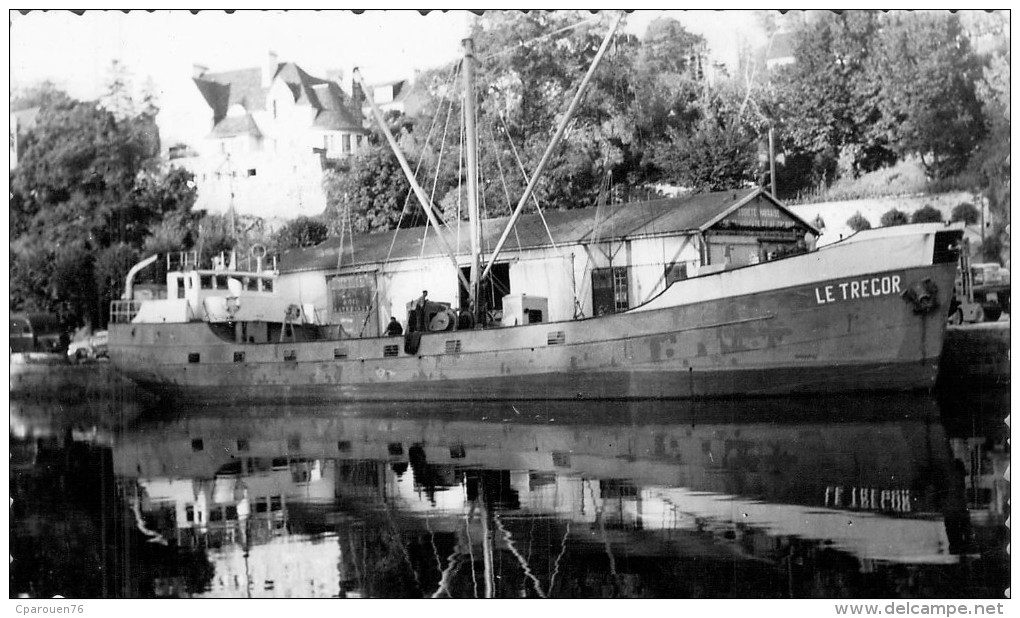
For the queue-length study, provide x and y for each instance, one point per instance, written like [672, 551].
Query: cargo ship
[867, 313]
[864, 314]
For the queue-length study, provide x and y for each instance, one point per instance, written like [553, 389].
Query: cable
[502, 177]
[539, 38]
[454, 71]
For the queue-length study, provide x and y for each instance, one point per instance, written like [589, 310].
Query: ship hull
[819, 337]
[805, 380]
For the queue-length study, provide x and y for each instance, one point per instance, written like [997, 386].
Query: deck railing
[181, 260]
[123, 311]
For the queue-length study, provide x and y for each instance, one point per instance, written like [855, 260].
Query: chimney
[269, 70]
[357, 94]
[198, 70]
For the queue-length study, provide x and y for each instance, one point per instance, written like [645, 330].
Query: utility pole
[773, 189]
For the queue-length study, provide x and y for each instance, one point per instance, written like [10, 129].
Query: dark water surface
[852, 497]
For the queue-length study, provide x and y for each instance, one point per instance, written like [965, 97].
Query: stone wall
[835, 214]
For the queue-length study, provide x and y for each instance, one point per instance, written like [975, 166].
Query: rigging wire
[521, 44]
[563, 550]
[454, 71]
[600, 201]
[471, 552]
[520, 559]
[460, 180]
[435, 178]
[502, 177]
[495, 285]
[524, 173]
[538, 208]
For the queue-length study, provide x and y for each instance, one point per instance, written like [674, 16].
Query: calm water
[853, 497]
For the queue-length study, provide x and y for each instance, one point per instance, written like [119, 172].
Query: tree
[215, 237]
[825, 105]
[928, 103]
[719, 152]
[44, 94]
[118, 98]
[667, 87]
[965, 212]
[858, 222]
[79, 151]
[373, 189]
[992, 248]
[991, 160]
[926, 214]
[111, 266]
[534, 64]
[87, 193]
[893, 217]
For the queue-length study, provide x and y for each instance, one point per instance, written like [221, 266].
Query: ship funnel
[129, 280]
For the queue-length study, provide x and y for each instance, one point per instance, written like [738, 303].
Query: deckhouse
[581, 263]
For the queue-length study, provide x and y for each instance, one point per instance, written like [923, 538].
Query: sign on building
[352, 304]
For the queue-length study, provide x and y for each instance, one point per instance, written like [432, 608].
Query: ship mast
[471, 139]
[552, 145]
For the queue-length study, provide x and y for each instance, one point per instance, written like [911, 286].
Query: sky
[76, 52]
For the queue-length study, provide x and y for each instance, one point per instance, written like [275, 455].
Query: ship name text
[860, 288]
[869, 498]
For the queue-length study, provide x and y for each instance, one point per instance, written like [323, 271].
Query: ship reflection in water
[611, 499]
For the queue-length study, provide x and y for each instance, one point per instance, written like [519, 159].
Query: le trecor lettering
[859, 288]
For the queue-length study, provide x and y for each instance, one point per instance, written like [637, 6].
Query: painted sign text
[861, 288]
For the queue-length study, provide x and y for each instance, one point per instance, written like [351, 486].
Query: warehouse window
[610, 290]
[676, 271]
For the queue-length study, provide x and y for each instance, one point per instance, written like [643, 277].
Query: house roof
[689, 214]
[236, 125]
[400, 88]
[337, 120]
[243, 87]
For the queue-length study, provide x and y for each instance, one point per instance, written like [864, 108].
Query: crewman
[419, 309]
[394, 329]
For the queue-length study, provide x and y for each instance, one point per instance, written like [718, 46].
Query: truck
[981, 292]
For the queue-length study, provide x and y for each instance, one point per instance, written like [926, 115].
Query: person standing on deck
[419, 310]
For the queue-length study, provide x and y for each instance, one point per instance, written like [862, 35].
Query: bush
[926, 214]
[858, 222]
[894, 217]
[966, 212]
[301, 232]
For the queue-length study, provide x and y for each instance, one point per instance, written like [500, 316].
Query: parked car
[92, 347]
[36, 332]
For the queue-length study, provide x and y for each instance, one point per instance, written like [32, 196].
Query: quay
[976, 355]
